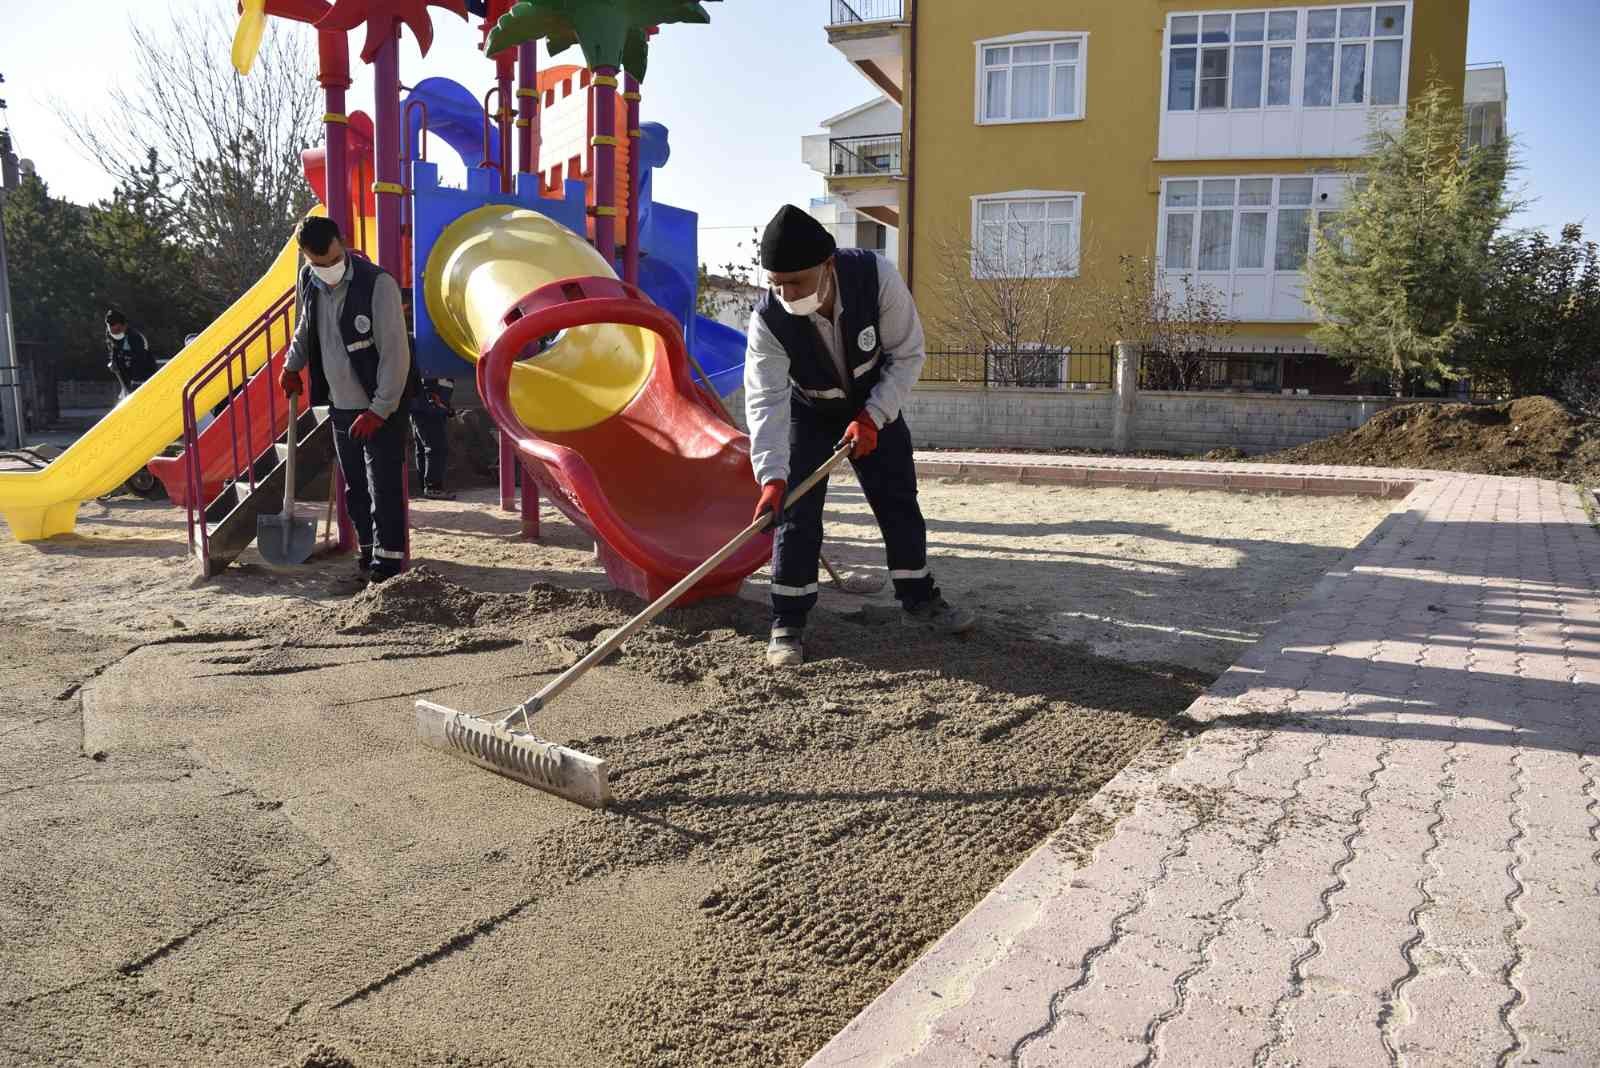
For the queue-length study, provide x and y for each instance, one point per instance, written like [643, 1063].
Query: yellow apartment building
[1064, 135]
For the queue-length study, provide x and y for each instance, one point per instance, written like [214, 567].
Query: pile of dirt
[1534, 437]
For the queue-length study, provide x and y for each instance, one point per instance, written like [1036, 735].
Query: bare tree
[1175, 319]
[1012, 298]
[229, 147]
[735, 292]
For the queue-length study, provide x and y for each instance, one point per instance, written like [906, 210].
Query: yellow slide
[42, 504]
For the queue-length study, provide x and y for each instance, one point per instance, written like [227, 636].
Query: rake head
[555, 769]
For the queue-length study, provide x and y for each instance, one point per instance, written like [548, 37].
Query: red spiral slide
[663, 483]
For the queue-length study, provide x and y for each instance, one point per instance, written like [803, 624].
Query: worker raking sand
[835, 347]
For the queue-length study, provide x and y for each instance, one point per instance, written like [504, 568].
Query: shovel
[492, 743]
[283, 540]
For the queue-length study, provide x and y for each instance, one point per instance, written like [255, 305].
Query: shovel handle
[559, 684]
[288, 466]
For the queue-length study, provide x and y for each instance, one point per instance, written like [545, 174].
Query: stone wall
[1164, 422]
[1253, 422]
[1011, 418]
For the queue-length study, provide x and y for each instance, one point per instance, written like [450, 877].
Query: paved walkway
[1385, 848]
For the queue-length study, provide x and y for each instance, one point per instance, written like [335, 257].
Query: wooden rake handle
[561, 682]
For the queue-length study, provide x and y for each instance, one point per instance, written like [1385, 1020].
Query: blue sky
[739, 94]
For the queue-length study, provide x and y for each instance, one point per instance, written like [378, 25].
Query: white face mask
[331, 276]
[805, 305]
[117, 335]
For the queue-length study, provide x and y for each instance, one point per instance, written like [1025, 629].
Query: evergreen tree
[144, 269]
[1538, 329]
[1394, 280]
[54, 278]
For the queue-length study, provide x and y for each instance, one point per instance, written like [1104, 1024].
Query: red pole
[386, 94]
[334, 70]
[386, 91]
[527, 163]
[630, 264]
[505, 64]
[528, 108]
[604, 90]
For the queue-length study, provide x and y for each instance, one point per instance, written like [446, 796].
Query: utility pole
[10, 368]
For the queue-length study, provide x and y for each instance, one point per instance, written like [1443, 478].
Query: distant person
[430, 422]
[835, 346]
[351, 337]
[430, 432]
[127, 353]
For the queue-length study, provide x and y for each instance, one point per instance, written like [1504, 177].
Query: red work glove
[772, 494]
[863, 433]
[365, 426]
[289, 382]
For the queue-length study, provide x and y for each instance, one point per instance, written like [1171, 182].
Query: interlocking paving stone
[1385, 849]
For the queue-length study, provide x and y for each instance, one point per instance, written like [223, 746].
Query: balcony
[873, 156]
[1486, 103]
[852, 12]
[869, 33]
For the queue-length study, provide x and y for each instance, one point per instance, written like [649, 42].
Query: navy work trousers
[888, 478]
[374, 489]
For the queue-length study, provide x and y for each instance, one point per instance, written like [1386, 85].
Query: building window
[1027, 234]
[1032, 77]
[1255, 225]
[1246, 60]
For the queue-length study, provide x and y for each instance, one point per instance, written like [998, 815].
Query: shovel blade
[555, 769]
[283, 543]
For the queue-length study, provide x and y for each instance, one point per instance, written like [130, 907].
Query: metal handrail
[237, 351]
[844, 161]
[488, 117]
[407, 241]
[849, 12]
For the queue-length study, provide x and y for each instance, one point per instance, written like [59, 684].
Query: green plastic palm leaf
[532, 20]
[612, 33]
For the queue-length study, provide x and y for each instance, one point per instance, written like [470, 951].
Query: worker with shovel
[351, 337]
[835, 347]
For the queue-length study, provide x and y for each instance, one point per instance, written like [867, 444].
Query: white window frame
[1076, 251]
[1322, 185]
[1298, 64]
[1032, 37]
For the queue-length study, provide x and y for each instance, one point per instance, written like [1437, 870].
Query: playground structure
[609, 416]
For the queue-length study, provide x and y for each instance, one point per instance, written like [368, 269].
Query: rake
[493, 743]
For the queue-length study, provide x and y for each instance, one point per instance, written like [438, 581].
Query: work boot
[784, 648]
[382, 571]
[440, 494]
[938, 615]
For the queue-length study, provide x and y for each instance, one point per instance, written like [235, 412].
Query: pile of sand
[1534, 437]
[417, 598]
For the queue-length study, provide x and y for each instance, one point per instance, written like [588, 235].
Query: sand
[221, 845]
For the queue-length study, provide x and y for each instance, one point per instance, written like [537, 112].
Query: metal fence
[864, 156]
[846, 12]
[1237, 372]
[1067, 368]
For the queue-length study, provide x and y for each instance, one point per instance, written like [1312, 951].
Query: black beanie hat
[794, 241]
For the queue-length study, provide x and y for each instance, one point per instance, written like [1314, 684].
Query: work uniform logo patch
[363, 325]
[867, 340]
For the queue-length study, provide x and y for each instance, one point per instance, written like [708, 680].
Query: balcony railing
[849, 12]
[871, 155]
